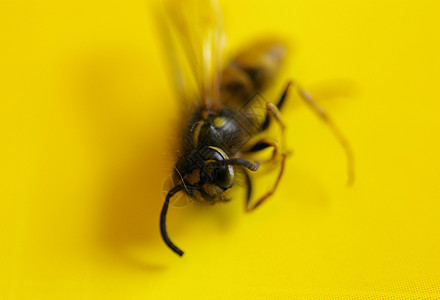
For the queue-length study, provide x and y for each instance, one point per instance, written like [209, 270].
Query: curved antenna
[163, 215]
[237, 162]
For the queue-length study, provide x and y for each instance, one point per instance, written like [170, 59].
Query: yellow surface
[86, 124]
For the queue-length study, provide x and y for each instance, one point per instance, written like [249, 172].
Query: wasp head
[208, 171]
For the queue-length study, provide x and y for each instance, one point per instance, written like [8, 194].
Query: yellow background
[86, 127]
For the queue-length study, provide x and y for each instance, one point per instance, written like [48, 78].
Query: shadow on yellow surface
[110, 84]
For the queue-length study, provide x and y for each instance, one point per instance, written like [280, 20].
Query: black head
[208, 171]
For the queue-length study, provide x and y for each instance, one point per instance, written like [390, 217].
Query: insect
[223, 127]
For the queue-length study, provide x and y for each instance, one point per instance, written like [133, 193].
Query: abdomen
[250, 71]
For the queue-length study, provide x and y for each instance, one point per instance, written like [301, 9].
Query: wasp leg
[263, 144]
[333, 128]
[276, 108]
[248, 190]
[250, 207]
[274, 113]
[283, 97]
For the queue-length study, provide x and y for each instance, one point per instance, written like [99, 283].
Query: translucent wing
[193, 41]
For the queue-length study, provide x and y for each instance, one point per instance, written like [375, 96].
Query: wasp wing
[193, 41]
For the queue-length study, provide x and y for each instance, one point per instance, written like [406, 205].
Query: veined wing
[193, 39]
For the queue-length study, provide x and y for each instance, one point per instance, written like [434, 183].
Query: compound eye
[223, 176]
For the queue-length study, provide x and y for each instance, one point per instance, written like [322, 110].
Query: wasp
[227, 122]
